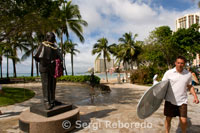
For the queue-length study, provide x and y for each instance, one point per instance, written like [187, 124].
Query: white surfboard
[152, 99]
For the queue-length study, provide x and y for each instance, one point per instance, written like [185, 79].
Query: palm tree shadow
[85, 119]
[190, 128]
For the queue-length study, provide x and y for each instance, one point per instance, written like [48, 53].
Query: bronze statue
[47, 55]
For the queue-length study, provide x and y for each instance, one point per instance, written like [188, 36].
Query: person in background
[123, 80]
[194, 77]
[92, 83]
[155, 79]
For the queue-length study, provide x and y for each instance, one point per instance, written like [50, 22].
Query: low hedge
[80, 78]
[28, 79]
[17, 80]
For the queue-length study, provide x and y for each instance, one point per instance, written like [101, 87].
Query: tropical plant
[1, 59]
[102, 49]
[19, 18]
[115, 51]
[70, 48]
[128, 48]
[69, 18]
[7, 54]
[33, 45]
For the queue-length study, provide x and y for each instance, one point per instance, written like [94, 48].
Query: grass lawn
[14, 95]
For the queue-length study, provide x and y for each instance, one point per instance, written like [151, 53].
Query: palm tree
[115, 51]
[70, 18]
[101, 47]
[63, 54]
[1, 65]
[33, 46]
[17, 43]
[128, 44]
[1, 58]
[7, 53]
[138, 51]
[70, 48]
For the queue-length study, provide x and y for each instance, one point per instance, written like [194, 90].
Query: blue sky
[112, 18]
[178, 5]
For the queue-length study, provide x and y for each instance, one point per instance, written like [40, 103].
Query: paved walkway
[111, 112]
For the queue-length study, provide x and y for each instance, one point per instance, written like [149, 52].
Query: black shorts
[174, 110]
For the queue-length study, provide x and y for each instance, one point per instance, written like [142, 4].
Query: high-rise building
[185, 22]
[99, 65]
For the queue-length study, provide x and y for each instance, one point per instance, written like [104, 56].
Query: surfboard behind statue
[152, 99]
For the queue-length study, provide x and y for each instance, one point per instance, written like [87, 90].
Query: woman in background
[194, 77]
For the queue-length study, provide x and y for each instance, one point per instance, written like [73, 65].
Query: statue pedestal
[40, 110]
[49, 121]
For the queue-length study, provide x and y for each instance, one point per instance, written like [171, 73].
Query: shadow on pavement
[190, 128]
[8, 114]
[85, 120]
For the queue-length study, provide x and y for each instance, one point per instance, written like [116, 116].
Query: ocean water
[100, 75]
[110, 76]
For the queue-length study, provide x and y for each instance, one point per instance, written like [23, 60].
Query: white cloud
[111, 19]
[137, 17]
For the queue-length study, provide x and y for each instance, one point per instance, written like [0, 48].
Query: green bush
[145, 74]
[80, 78]
[26, 79]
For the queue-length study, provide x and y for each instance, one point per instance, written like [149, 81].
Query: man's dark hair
[50, 37]
[181, 57]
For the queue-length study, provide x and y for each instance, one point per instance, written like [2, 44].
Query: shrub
[80, 78]
[145, 74]
[26, 79]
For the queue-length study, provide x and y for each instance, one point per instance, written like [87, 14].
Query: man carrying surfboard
[176, 96]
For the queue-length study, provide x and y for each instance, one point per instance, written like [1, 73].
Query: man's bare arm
[192, 91]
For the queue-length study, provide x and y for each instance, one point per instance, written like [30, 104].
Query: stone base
[61, 123]
[39, 109]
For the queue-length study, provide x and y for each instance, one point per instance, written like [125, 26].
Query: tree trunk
[62, 51]
[118, 77]
[1, 69]
[168, 64]
[137, 64]
[14, 68]
[1, 66]
[64, 66]
[72, 64]
[105, 68]
[126, 71]
[32, 64]
[131, 64]
[37, 70]
[7, 67]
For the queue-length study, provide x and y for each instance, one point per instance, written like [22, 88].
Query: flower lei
[48, 44]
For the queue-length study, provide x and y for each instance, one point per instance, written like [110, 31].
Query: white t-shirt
[177, 91]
